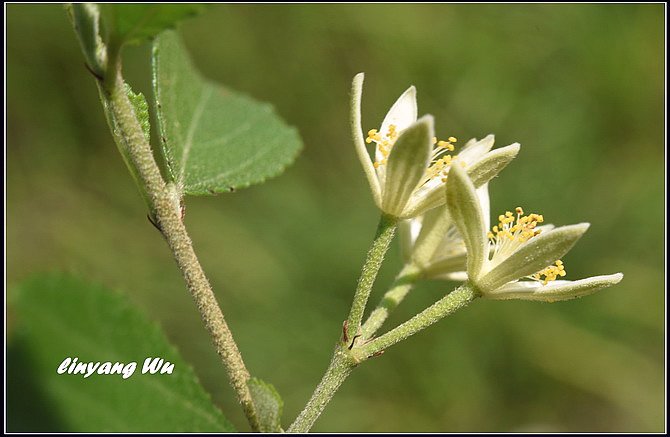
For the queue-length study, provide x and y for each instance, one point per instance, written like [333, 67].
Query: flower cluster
[442, 200]
[411, 166]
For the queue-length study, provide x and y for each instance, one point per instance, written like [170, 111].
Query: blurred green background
[581, 87]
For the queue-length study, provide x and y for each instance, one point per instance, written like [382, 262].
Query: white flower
[431, 241]
[408, 174]
[516, 249]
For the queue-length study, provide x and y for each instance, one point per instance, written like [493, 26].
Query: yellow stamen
[439, 164]
[512, 231]
[392, 131]
[550, 273]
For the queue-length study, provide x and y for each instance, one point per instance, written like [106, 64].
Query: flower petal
[536, 254]
[484, 203]
[455, 276]
[406, 165]
[491, 164]
[466, 212]
[402, 114]
[408, 231]
[359, 142]
[445, 268]
[555, 290]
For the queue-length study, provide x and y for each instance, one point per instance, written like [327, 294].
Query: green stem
[340, 367]
[449, 304]
[373, 261]
[343, 362]
[401, 286]
[164, 203]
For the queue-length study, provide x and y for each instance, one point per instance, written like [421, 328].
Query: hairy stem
[373, 261]
[401, 286]
[343, 362]
[164, 204]
[449, 304]
[340, 367]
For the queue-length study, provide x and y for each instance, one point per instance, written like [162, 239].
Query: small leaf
[141, 108]
[85, 18]
[214, 139]
[59, 317]
[466, 211]
[137, 22]
[269, 405]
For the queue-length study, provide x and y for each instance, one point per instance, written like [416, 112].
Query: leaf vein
[197, 114]
[244, 164]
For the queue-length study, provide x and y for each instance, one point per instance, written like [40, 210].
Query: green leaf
[85, 18]
[269, 405]
[214, 140]
[58, 317]
[141, 108]
[138, 22]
